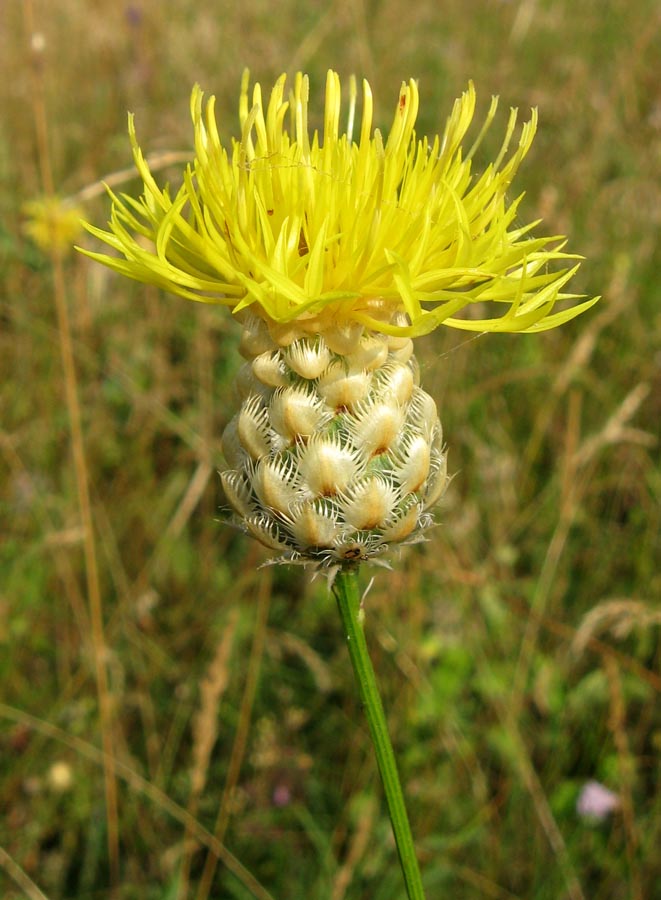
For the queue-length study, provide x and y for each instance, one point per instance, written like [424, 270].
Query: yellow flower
[393, 232]
[52, 223]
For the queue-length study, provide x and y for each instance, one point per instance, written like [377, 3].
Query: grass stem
[81, 471]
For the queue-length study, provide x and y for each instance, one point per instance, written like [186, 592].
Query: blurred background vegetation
[518, 650]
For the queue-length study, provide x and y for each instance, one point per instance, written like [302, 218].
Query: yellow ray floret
[325, 228]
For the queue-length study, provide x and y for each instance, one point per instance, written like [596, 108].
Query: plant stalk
[348, 599]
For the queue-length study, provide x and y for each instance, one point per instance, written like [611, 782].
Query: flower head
[393, 232]
[596, 802]
[52, 223]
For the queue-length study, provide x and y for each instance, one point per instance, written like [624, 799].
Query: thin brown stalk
[508, 714]
[314, 38]
[79, 460]
[155, 161]
[205, 732]
[187, 504]
[543, 811]
[617, 724]
[147, 789]
[19, 877]
[620, 297]
[577, 459]
[486, 886]
[357, 848]
[360, 15]
[568, 505]
[241, 737]
[41, 513]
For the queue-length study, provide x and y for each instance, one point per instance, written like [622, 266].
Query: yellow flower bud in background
[52, 223]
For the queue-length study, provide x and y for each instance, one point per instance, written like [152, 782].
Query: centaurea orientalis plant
[334, 253]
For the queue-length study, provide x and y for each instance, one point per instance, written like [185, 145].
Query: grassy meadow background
[518, 650]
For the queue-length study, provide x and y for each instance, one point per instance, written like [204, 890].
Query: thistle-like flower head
[317, 232]
[335, 252]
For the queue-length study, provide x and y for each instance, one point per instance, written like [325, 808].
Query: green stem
[348, 598]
